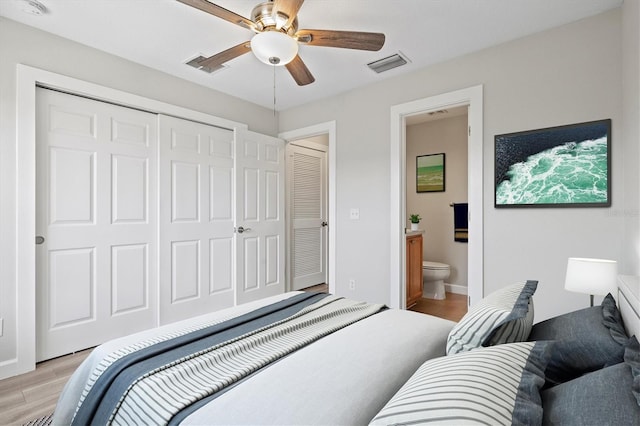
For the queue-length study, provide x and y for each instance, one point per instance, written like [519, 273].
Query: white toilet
[433, 276]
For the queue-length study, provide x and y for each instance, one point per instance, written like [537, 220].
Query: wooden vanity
[414, 267]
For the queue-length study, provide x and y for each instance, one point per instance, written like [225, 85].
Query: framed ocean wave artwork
[430, 173]
[563, 166]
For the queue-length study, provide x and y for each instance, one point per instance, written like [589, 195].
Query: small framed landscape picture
[564, 166]
[430, 173]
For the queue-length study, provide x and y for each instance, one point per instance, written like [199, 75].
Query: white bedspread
[344, 378]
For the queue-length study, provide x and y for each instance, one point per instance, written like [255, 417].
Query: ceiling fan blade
[344, 39]
[226, 55]
[220, 12]
[300, 72]
[287, 7]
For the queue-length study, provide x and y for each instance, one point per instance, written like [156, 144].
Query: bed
[304, 358]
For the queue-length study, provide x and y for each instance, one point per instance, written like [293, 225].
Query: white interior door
[197, 196]
[260, 221]
[137, 216]
[96, 219]
[307, 189]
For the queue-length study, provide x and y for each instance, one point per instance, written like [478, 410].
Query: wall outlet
[354, 214]
[352, 284]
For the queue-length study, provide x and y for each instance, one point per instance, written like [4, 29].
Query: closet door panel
[96, 211]
[196, 219]
[221, 264]
[130, 277]
[260, 249]
[129, 189]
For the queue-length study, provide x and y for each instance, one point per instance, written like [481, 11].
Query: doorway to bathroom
[472, 98]
[437, 190]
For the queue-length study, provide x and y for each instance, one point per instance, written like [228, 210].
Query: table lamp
[591, 276]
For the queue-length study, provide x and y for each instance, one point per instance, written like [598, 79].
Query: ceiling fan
[277, 36]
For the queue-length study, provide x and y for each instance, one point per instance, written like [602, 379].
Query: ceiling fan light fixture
[274, 47]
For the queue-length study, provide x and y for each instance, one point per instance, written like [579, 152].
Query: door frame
[27, 78]
[328, 128]
[473, 97]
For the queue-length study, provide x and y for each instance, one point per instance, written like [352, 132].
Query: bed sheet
[345, 377]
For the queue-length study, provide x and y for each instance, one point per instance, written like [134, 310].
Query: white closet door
[308, 215]
[96, 213]
[260, 221]
[196, 218]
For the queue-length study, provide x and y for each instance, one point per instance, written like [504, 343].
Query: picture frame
[430, 173]
[562, 166]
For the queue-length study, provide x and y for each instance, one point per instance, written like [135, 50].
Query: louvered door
[308, 209]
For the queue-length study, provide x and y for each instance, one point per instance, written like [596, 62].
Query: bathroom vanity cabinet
[414, 268]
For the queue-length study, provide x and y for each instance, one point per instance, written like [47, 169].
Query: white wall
[631, 131]
[449, 136]
[20, 44]
[565, 75]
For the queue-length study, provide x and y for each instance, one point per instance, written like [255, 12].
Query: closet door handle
[39, 239]
[240, 229]
[324, 224]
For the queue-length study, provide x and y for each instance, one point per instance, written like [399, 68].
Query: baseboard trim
[456, 288]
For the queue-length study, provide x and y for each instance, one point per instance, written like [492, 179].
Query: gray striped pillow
[499, 385]
[504, 316]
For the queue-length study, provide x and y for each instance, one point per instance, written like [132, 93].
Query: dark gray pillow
[586, 340]
[632, 358]
[603, 397]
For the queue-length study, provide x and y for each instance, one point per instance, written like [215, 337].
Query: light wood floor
[452, 308]
[33, 395]
[320, 288]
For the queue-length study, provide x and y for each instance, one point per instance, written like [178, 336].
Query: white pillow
[504, 316]
[497, 386]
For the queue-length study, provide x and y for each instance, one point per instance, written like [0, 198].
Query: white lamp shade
[274, 47]
[591, 276]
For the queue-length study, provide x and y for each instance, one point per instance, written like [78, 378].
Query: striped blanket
[164, 380]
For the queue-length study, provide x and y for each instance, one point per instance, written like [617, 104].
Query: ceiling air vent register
[388, 63]
[197, 63]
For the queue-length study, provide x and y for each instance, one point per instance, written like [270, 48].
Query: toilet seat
[434, 265]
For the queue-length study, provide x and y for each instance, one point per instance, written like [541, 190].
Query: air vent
[195, 62]
[390, 62]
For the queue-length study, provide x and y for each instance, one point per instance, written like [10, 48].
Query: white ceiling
[164, 34]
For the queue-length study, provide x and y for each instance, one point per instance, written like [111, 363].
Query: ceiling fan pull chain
[274, 91]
